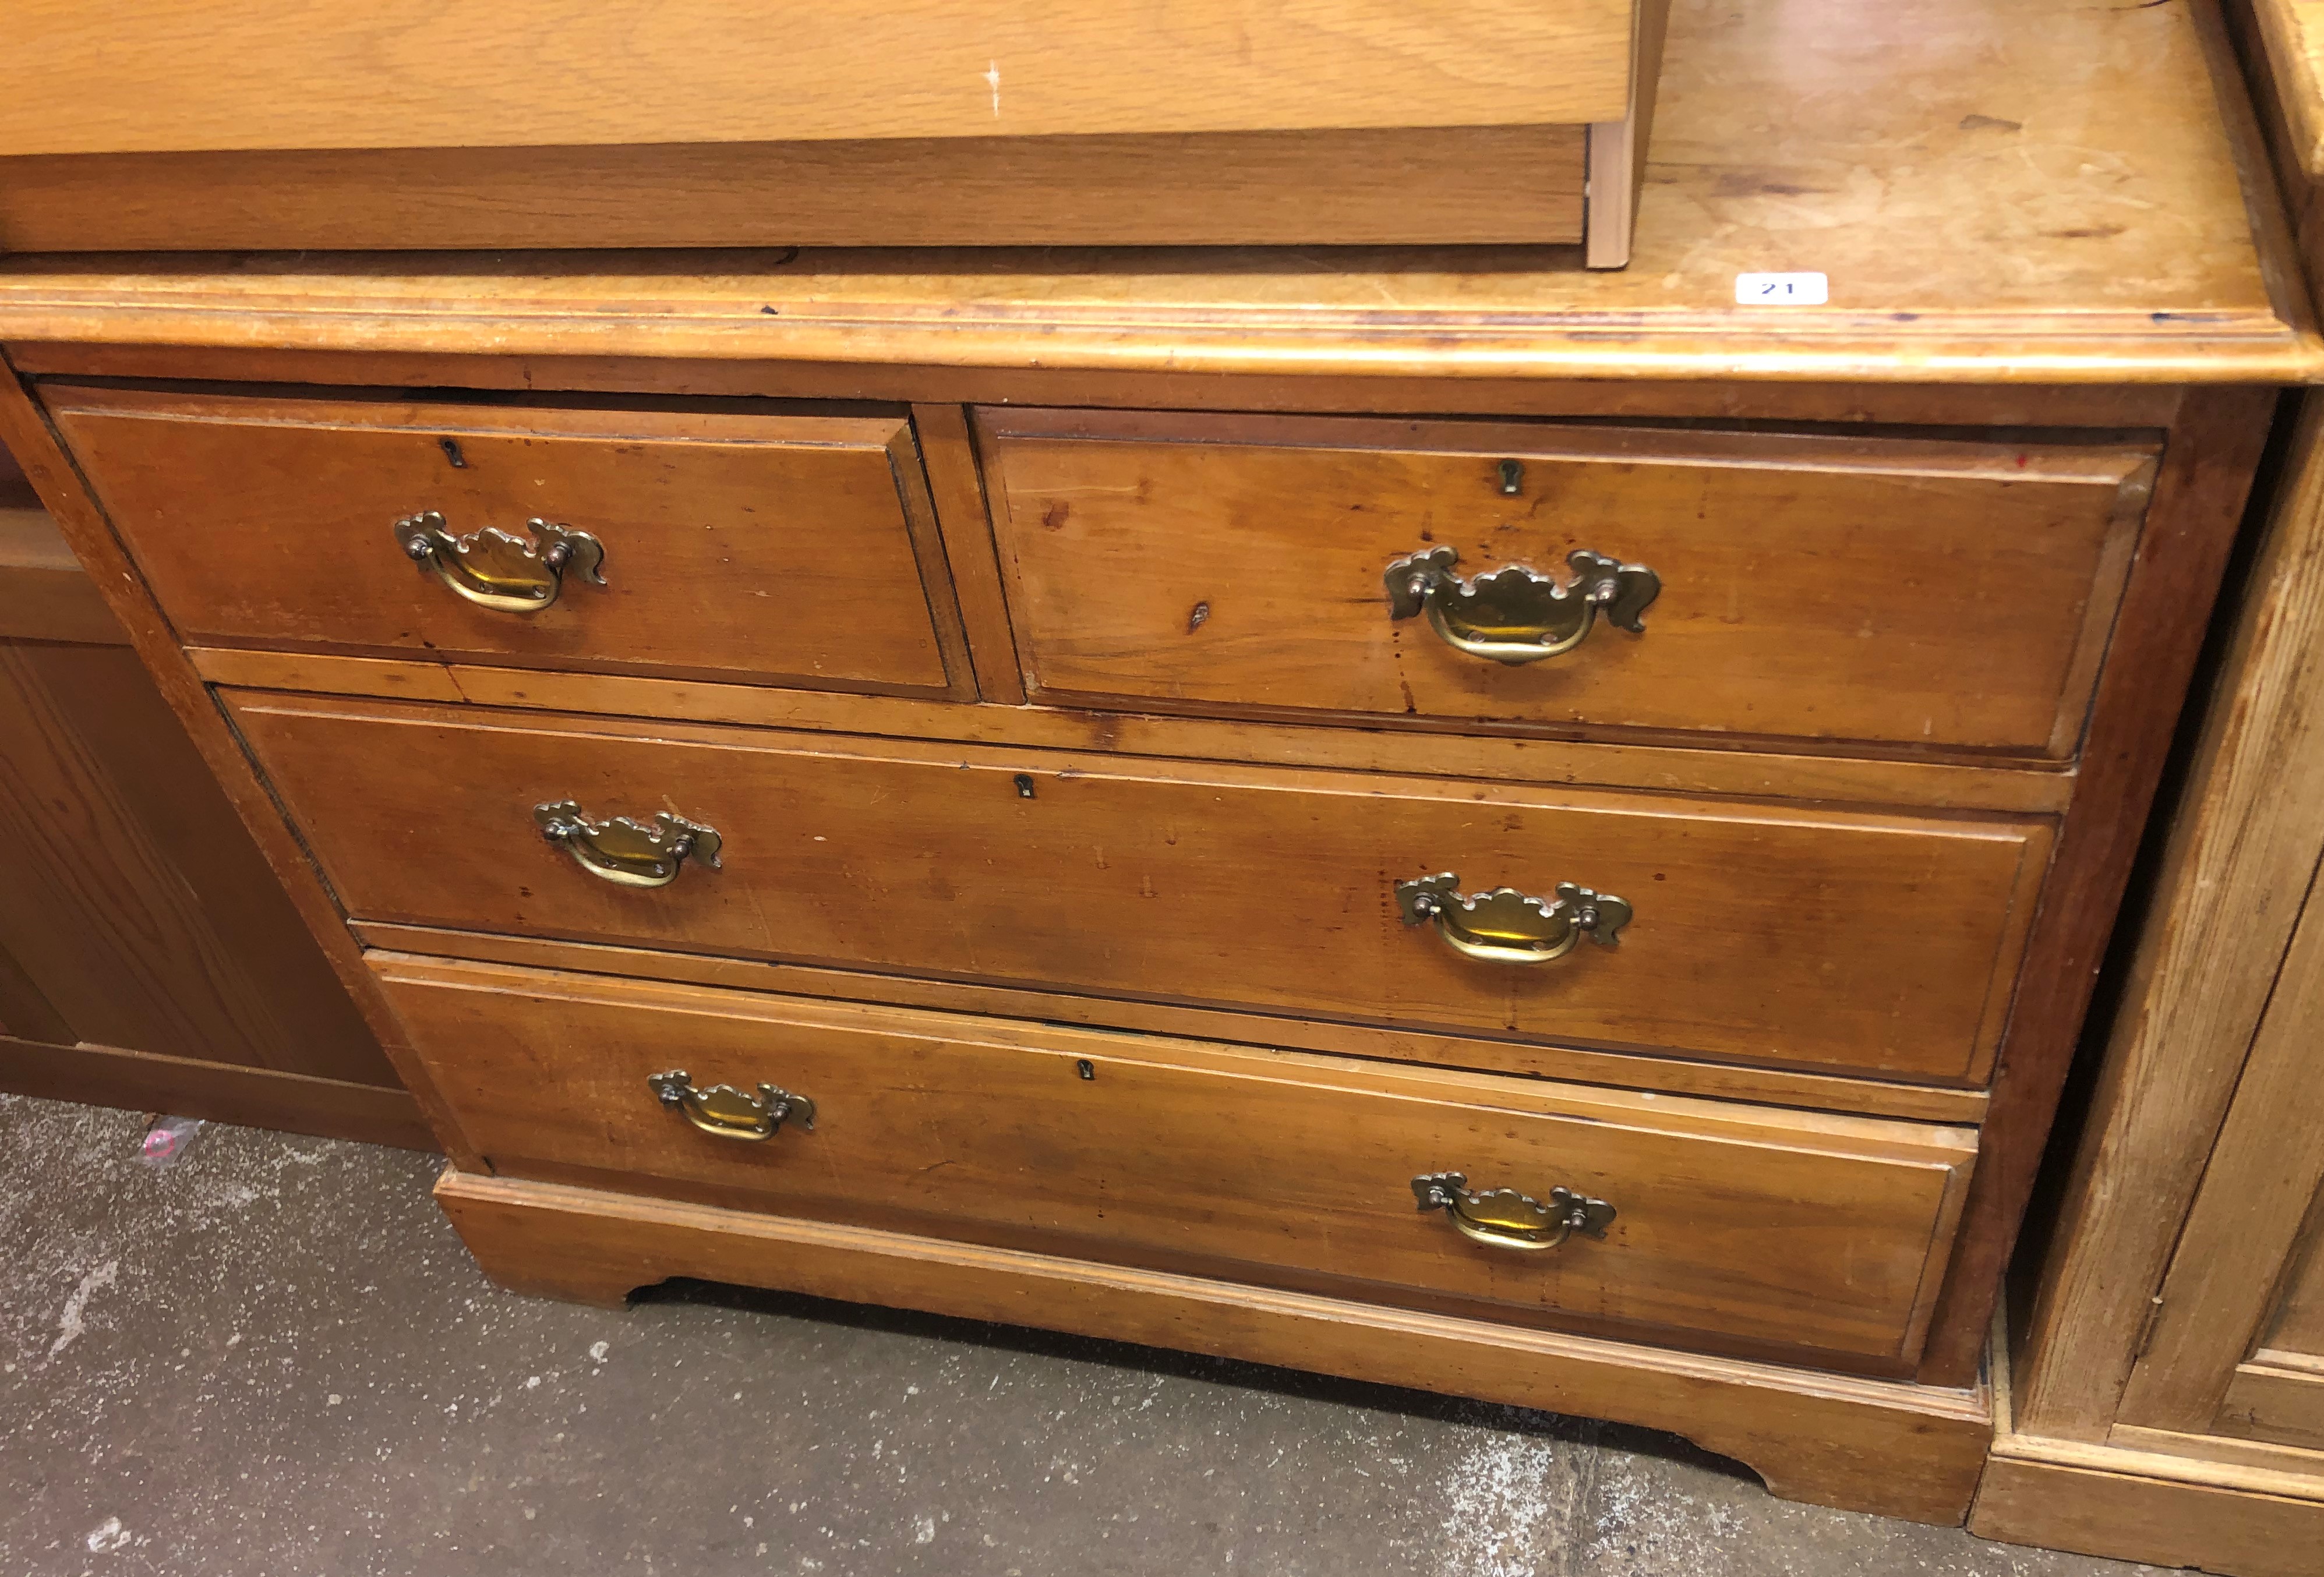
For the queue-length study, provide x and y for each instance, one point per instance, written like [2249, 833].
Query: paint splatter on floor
[276, 1357]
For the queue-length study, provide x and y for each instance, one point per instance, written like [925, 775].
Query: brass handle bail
[1511, 614]
[1502, 1218]
[626, 853]
[727, 1112]
[1509, 927]
[495, 570]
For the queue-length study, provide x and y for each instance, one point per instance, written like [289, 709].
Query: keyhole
[1024, 782]
[1512, 478]
[451, 448]
[1082, 1066]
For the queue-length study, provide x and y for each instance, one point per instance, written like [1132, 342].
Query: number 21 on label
[1782, 289]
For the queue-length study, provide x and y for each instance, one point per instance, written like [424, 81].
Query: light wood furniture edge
[1233, 1027]
[1904, 1451]
[1671, 319]
[1713, 769]
[2205, 475]
[956, 487]
[2038, 404]
[2209, 1366]
[2289, 287]
[2241, 855]
[2129, 1315]
[1618, 149]
[2298, 92]
[2140, 1505]
[726, 323]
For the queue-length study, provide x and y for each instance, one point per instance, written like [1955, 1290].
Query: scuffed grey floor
[275, 1358]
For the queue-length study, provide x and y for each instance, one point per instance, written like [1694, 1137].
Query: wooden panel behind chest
[1808, 937]
[1892, 592]
[767, 547]
[249, 74]
[1736, 1221]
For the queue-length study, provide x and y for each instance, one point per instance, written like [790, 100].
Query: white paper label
[1782, 289]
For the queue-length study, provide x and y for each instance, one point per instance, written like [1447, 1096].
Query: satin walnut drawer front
[757, 548]
[1856, 941]
[1892, 592]
[1712, 1220]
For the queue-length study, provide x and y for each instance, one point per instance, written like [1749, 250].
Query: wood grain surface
[1837, 1440]
[217, 755]
[2247, 1240]
[2149, 1495]
[2256, 1462]
[1518, 185]
[2199, 494]
[1814, 1092]
[2292, 32]
[769, 547]
[2242, 849]
[2277, 1396]
[2133, 253]
[957, 495]
[2114, 1510]
[1855, 403]
[259, 74]
[1959, 784]
[1734, 1223]
[1618, 149]
[1892, 592]
[133, 908]
[2297, 1325]
[2163, 1412]
[1802, 937]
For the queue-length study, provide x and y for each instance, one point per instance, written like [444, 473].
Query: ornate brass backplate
[729, 1112]
[1506, 1219]
[495, 570]
[626, 853]
[1513, 615]
[1509, 927]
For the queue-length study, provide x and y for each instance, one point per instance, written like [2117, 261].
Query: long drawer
[1891, 591]
[1727, 1222]
[1762, 933]
[753, 548]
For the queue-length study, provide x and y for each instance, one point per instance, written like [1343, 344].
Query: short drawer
[1730, 1223]
[751, 547]
[1890, 592]
[1795, 936]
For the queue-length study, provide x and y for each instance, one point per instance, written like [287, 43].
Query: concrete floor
[275, 1358]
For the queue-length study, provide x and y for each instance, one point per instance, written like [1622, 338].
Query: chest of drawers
[1448, 842]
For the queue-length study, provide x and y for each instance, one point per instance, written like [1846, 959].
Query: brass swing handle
[1509, 927]
[626, 853]
[1502, 1218]
[728, 1113]
[1513, 615]
[495, 570]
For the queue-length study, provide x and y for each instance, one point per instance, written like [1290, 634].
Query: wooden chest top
[1978, 221]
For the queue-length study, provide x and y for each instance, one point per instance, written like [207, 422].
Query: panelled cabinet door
[2238, 1340]
[2278, 1392]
